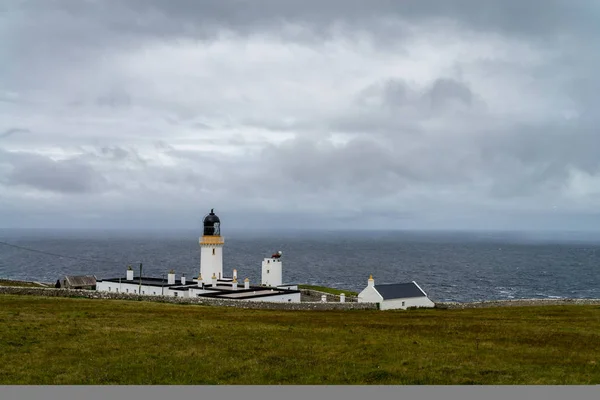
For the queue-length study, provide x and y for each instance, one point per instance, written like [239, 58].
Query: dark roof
[399, 291]
[82, 280]
[211, 219]
[241, 294]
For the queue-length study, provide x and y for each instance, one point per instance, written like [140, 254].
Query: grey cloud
[415, 152]
[396, 108]
[43, 173]
[124, 23]
[12, 131]
[510, 16]
[114, 99]
[444, 91]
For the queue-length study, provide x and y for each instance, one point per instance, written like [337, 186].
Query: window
[117, 290]
[109, 288]
[134, 291]
[175, 294]
[402, 304]
[143, 292]
[213, 252]
[154, 292]
[267, 271]
[127, 290]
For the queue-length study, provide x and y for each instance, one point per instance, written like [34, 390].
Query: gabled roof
[400, 290]
[82, 280]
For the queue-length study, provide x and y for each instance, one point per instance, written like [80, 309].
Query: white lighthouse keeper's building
[395, 296]
[211, 249]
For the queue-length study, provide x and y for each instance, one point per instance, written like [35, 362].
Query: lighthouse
[211, 248]
[272, 270]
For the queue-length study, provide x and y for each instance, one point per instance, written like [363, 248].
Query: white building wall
[403, 304]
[272, 273]
[194, 292]
[291, 287]
[211, 263]
[127, 287]
[284, 298]
[369, 295]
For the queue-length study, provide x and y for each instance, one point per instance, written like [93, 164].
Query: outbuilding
[78, 282]
[395, 295]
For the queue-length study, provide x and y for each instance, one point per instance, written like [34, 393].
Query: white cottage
[395, 296]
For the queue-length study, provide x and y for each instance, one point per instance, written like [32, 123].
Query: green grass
[328, 290]
[47, 340]
[6, 282]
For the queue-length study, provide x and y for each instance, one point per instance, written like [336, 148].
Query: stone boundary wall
[517, 303]
[92, 294]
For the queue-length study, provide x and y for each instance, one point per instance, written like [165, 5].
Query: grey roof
[253, 292]
[399, 291]
[82, 280]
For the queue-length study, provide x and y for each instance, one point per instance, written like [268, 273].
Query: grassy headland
[328, 290]
[79, 341]
[7, 282]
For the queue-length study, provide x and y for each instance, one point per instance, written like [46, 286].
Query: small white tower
[211, 248]
[129, 273]
[272, 270]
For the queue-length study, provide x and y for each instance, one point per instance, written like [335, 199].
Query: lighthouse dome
[212, 224]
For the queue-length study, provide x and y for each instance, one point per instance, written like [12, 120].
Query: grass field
[80, 341]
[6, 282]
[328, 290]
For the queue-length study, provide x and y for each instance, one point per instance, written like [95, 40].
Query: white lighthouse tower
[211, 249]
[272, 270]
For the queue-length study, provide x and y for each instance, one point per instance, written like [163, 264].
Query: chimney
[324, 298]
[129, 273]
[234, 284]
[342, 298]
[214, 280]
[371, 282]
[183, 279]
[246, 283]
[200, 280]
[171, 278]
[235, 274]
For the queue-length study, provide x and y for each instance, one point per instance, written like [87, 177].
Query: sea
[449, 266]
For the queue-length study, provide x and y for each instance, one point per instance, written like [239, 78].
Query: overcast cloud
[333, 114]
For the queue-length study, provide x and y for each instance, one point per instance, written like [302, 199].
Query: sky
[329, 114]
